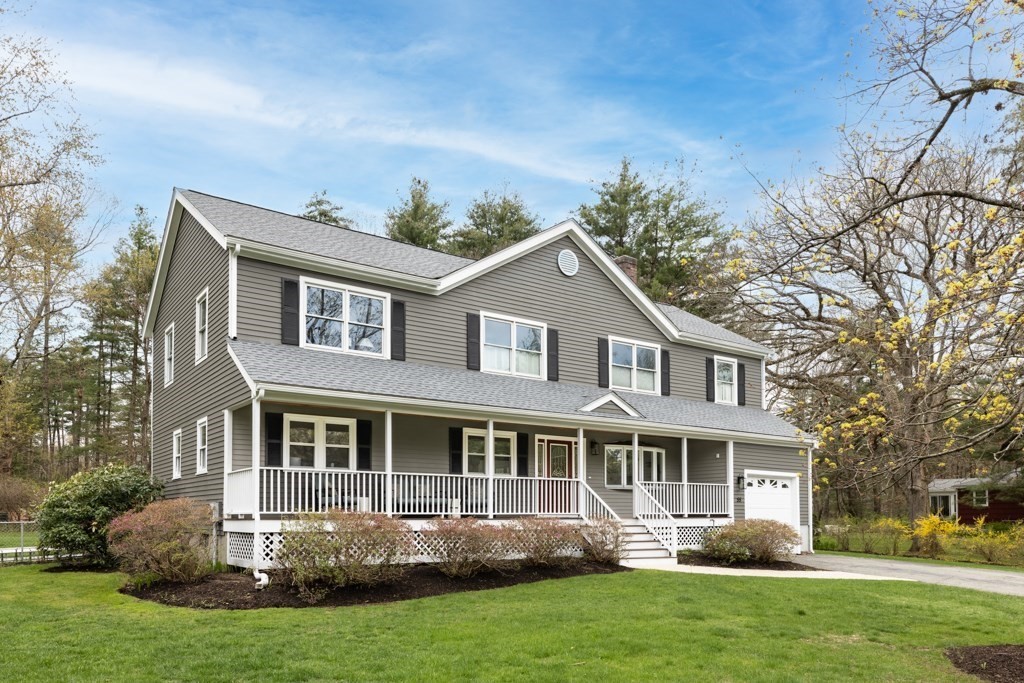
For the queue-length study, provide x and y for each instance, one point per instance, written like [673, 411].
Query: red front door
[559, 466]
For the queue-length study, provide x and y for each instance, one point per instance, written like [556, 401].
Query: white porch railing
[438, 494]
[286, 491]
[679, 498]
[536, 496]
[659, 522]
[238, 492]
[592, 506]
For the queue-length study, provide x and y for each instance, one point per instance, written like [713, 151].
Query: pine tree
[493, 222]
[418, 219]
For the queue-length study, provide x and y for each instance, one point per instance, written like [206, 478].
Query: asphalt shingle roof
[689, 323]
[313, 369]
[245, 221]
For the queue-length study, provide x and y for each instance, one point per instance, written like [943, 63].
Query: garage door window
[767, 484]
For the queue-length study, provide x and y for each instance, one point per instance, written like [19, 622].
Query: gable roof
[291, 240]
[613, 400]
[968, 482]
[293, 369]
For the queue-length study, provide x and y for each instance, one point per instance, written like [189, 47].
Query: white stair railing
[238, 492]
[655, 517]
[593, 507]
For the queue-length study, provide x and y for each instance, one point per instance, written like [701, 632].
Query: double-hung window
[345, 319]
[474, 452]
[202, 452]
[634, 365]
[513, 347]
[169, 355]
[320, 442]
[618, 465]
[176, 455]
[979, 498]
[725, 381]
[202, 324]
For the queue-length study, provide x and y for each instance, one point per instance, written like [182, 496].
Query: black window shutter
[602, 362]
[522, 454]
[397, 330]
[552, 356]
[666, 374]
[290, 312]
[741, 384]
[710, 364]
[455, 450]
[274, 428]
[473, 341]
[364, 445]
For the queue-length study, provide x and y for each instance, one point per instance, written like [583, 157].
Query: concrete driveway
[991, 580]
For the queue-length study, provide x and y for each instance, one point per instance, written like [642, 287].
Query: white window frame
[169, 357]
[176, 454]
[627, 470]
[511, 436]
[659, 464]
[202, 447]
[320, 423]
[348, 290]
[735, 380]
[975, 497]
[485, 316]
[953, 501]
[203, 326]
[633, 372]
[540, 449]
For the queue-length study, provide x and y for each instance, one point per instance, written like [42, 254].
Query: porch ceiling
[292, 366]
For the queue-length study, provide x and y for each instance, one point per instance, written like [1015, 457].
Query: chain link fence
[19, 535]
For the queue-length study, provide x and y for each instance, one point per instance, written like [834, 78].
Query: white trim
[764, 385]
[205, 351]
[319, 444]
[735, 380]
[489, 434]
[611, 398]
[513, 321]
[539, 439]
[622, 485]
[389, 482]
[974, 498]
[176, 454]
[169, 362]
[229, 421]
[241, 369]
[633, 372]
[233, 291]
[203, 464]
[347, 290]
[419, 406]
[730, 468]
[794, 487]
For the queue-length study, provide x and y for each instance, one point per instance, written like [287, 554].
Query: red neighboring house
[966, 500]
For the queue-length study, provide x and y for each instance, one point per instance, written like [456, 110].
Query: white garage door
[772, 497]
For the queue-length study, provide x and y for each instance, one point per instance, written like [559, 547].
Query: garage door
[770, 497]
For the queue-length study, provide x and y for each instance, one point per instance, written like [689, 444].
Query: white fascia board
[611, 398]
[241, 369]
[414, 406]
[167, 240]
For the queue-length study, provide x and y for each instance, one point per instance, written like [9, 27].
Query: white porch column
[389, 483]
[732, 480]
[489, 468]
[686, 478]
[228, 433]
[256, 547]
[581, 455]
[636, 469]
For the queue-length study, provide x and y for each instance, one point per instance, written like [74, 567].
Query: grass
[13, 538]
[925, 560]
[633, 626]
[954, 553]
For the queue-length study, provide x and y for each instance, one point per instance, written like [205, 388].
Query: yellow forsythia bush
[933, 532]
[893, 531]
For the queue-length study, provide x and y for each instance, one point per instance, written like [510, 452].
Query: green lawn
[643, 625]
[12, 538]
[925, 560]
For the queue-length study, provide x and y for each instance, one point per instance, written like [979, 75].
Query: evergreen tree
[418, 219]
[320, 208]
[493, 222]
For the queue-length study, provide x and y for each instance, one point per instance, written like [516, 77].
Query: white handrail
[592, 506]
[655, 517]
[238, 492]
[286, 490]
[679, 498]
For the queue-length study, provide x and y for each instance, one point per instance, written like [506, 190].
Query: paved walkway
[670, 565]
[991, 580]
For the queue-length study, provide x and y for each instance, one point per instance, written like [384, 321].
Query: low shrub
[932, 533]
[864, 528]
[825, 543]
[546, 542]
[603, 541]
[75, 515]
[892, 532]
[320, 552]
[168, 540]
[990, 544]
[759, 540]
[464, 547]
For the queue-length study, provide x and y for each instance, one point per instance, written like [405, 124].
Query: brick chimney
[628, 266]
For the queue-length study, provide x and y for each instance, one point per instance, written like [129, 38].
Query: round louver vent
[568, 263]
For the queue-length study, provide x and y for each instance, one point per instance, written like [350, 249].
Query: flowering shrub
[168, 539]
[932, 533]
[74, 516]
[467, 546]
[892, 531]
[603, 541]
[546, 542]
[324, 551]
[760, 540]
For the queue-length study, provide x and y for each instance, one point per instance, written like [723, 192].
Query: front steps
[640, 544]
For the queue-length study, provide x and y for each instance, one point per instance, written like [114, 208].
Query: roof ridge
[330, 225]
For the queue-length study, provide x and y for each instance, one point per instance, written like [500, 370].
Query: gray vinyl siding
[618, 499]
[610, 409]
[702, 465]
[774, 459]
[203, 390]
[241, 440]
[582, 308]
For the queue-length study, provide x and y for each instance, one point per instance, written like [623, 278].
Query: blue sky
[268, 102]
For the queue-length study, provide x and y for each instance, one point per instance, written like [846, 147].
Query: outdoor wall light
[739, 481]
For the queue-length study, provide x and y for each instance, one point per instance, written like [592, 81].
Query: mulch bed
[237, 591]
[990, 662]
[699, 560]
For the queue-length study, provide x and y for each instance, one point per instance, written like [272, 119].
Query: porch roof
[301, 368]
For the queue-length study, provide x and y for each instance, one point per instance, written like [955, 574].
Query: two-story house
[301, 366]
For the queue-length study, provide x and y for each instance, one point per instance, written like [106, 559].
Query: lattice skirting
[693, 536]
[241, 546]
